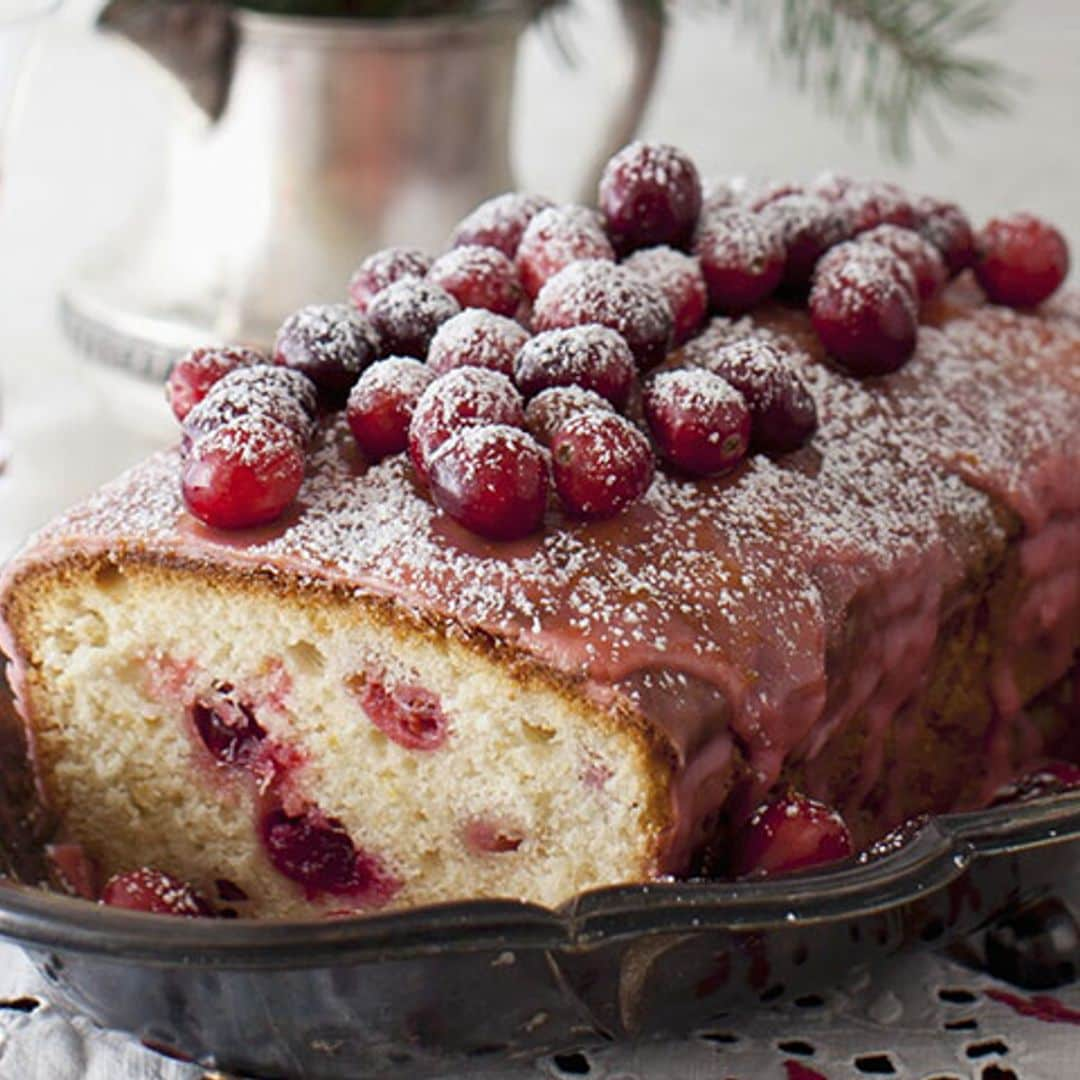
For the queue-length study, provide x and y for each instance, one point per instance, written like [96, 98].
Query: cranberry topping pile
[528, 370]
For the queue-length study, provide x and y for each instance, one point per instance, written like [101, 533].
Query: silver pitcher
[319, 141]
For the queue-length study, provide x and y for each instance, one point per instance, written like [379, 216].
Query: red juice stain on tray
[796, 1070]
[1040, 1007]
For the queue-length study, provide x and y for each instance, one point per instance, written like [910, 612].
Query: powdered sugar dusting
[500, 222]
[476, 338]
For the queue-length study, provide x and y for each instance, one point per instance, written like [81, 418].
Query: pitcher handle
[645, 24]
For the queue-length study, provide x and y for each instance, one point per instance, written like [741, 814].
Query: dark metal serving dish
[465, 983]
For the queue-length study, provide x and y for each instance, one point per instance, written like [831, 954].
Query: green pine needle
[896, 62]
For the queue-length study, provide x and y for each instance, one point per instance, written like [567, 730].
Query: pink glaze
[720, 608]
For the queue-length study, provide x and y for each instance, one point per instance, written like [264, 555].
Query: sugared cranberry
[317, 853]
[550, 409]
[464, 397]
[808, 226]
[556, 238]
[742, 259]
[601, 464]
[895, 839]
[700, 422]
[718, 195]
[407, 314]
[383, 268]
[871, 203]
[479, 277]
[832, 186]
[227, 727]
[329, 343]
[476, 338]
[500, 222]
[593, 357]
[1022, 260]
[243, 474]
[650, 193]
[492, 479]
[771, 191]
[679, 278]
[276, 393]
[947, 227]
[863, 308]
[156, 892]
[600, 292]
[194, 374]
[792, 832]
[381, 405]
[919, 255]
[410, 715]
[1050, 778]
[782, 412]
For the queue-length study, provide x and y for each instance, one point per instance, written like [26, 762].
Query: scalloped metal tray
[466, 984]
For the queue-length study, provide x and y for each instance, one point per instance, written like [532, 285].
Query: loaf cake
[377, 695]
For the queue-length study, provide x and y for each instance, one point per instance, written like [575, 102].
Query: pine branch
[898, 62]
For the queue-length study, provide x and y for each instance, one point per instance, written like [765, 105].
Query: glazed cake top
[731, 588]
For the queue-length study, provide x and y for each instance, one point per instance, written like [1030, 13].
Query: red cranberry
[782, 412]
[833, 186]
[317, 853]
[792, 832]
[476, 339]
[600, 292]
[679, 278]
[947, 227]
[489, 838]
[650, 194]
[156, 892]
[556, 238]
[243, 474]
[500, 222]
[871, 203]
[1050, 778]
[276, 393]
[601, 464]
[1022, 260]
[464, 397]
[227, 728]
[194, 374]
[229, 405]
[479, 277]
[593, 357]
[408, 714]
[771, 191]
[493, 480]
[718, 195]
[920, 256]
[329, 343]
[407, 314]
[700, 422]
[808, 226]
[382, 402]
[863, 308]
[550, 409]
[384, 268]
[742, 259]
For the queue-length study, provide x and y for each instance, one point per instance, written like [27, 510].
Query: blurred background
[89, 147]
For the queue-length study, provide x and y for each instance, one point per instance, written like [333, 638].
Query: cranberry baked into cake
[694, 533]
